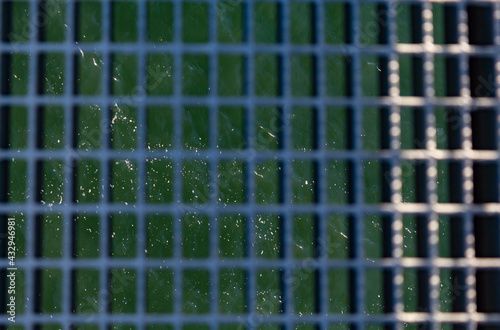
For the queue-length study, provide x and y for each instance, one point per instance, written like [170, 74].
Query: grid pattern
[252, 165]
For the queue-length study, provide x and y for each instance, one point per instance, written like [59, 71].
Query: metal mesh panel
[251, 165]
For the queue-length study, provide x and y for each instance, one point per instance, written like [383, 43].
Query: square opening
[373, 236]
[51, 127]
[86, 291]
[123, 127]
[267, 22]
[196, 236]
[231, 75]
[444, 68]
[303, 75]
[48, 284]
[404, 18]
[268, 128]
[411, 70]
[305, 291]
[338, 179]
[444, 32]
[337, 128]
[410, 288]
[160, 20]
[452, 243]
[53, 13]
[372, 139]
[304, 182]
[232, 239]
[410, 239]
[17, 181]
[160, 128]
[16, 132]
[232, 291]
[89, 21]
[195, 182]
[232, 132]
[268, 236]
[372, 181]
[160, 236]
[88, 74]
[305, 229]
[50, 238]
[443, 188]
[445, 120]
[159, 280]
[267, 75]
[195, 75]
[50, 182]
[304, 123]
[339, 296]
[338, 236]
[268, 184]
[195, 14]
[302, 22]
[51, 79]
[338, 78]
[124, 74]
[123, 294]
[231, 182]
[269, 292]
[337, 22]
[195, 128]
[373, 23]
[123, 232]
[16, 30]
[374, 293]
[159, 74]
[87, 181]
[452, 290]
[87, 130]
[230, 21]
[374, 78]
[86, 236]
[409, 181]
[15, 74]
[159, 181]
[123, 183]
[124, 15]
[196, 292]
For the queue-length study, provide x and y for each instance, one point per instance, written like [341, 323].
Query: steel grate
[264, 164]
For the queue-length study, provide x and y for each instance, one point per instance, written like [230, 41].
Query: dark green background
[231, 135]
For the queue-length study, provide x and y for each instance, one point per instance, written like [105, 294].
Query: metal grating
[371, 119]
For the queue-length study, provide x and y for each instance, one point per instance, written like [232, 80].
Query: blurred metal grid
[473, 32]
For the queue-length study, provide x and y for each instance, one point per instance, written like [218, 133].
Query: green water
[231, 135]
